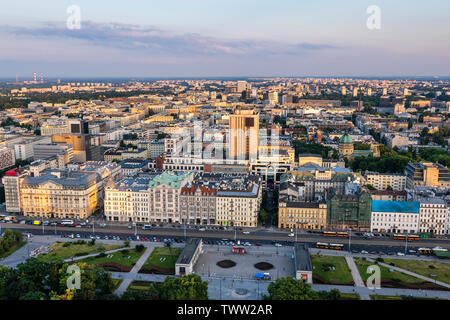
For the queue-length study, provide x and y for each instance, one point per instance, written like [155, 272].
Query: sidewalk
[133, 274]
[356, 276]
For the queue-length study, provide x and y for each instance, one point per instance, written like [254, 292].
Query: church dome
[345, 139]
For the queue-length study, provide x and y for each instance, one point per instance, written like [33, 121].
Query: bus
[403, 237]
[336, 246]
[342, 234]
[425, 251]
[67, 222]
[329, 234]
[332, 246]
[322, 245]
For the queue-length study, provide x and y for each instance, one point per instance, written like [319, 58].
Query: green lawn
[126, 257]
[441, 269]
[13, 249]
[341, 274]
[385, 273]
[162, 257]
[62, 251]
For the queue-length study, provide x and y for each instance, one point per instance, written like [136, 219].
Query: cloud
[153, 40]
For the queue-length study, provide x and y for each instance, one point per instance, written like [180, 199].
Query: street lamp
[349, 239]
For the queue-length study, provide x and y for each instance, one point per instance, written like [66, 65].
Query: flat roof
[395, 206]
[302, 258]
[188, 252]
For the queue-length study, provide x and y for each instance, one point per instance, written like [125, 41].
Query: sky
[224, 38]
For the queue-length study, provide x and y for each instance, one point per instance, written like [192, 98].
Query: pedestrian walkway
[94, 254]
[133, 274]
[443, 284]
[356, 276]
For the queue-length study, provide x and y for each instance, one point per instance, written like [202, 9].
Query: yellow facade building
[302, 215]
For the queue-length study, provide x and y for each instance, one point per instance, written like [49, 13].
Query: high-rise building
[244, 134]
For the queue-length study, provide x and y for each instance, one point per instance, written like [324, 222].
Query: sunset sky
[180, 38]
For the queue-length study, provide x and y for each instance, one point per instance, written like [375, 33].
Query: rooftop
[395, 206]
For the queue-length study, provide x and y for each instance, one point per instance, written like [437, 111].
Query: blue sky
[177, 38]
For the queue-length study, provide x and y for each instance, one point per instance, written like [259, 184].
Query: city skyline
[202, 39]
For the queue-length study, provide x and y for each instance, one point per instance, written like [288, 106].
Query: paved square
[281, 258]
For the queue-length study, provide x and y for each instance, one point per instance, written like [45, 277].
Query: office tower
[355, 92]
[241, 86]
[244, 134]
[385, 91]
[273, 97]
[344, 91]
[369, 92]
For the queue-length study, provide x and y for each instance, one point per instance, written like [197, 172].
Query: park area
[67, 250]
[119, 261]
[394, 279]
[435, 270]
[161, 261]
[331, 270]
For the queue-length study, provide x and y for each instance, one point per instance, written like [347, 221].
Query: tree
[263, 215]
[289, 289]
[190, 287]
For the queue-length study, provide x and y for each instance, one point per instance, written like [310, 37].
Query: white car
[290, 234]
[277, 245]
[246, 232]
[400, 254]
[364, 251]
[202, 229]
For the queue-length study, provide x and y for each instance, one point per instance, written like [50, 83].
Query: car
[364, 252]
[202, 229]
[355, 251]
[290, 234]
[54, 224]
[373, 252]
[277, 245]
[22, 221]
[246, 232]
[400, 254]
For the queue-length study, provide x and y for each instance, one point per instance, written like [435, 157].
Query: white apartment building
[395, 216]
[150, 197]
[381, 181]
[24, 149]
[433, 216]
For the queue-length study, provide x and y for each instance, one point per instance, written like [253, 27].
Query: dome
[346, 139]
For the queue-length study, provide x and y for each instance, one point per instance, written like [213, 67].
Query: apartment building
[388, 195]
[145, 198]
[239, 201]
[395, 216]
[7, 158]
[427, 174]
[304, 215]
[433, 216]
[381, 181]
[59, 194]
